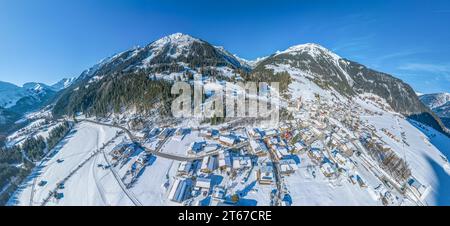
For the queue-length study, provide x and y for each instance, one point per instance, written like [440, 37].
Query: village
[237, 166]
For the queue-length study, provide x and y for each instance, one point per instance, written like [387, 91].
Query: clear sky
[47, 40]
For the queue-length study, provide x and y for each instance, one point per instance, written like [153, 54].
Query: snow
[312, 49]
[63, 83]
[318, 52]
[179, 145]
[10, 94]
[435, 100]
[74, 149]
[425, 154]
[153, 187]
[178, 43]
[307, 190]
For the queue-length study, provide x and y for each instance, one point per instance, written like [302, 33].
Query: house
[197, 147]
[284, 127]
[258, 147]
[143, 158]
[208, 164]
[316, 154]
[205, 133]
[337, 137]
[271, 132]
[299, 146]
[288, 166]
[265, 175]
[348, 148]
[180, 190]
[316, 131]
[256, 133]
[211, 133]
[219, 193]
[327, 169]
[307, 136]
[203, 183]
[225, 160]
[317, 144]
[280, 151]
[182, 131]
[184, 168]
[287, 135]
[211, 148]
[118, 150]
[123, 150]
[228, 140]
[340, 159]
[242, 162]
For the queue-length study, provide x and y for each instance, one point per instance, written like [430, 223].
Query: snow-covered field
[83, 140]
[308, 186]
[154, 184]
[425, 150]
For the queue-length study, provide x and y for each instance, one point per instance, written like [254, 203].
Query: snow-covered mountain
[440, 104]
[15, 100]
[179, 56]
[174, 57]
[330, 71]
[10, 94]
[170, 54]
[63, 83]
[435, 100]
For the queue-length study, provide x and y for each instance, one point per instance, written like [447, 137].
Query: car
[61, 186]
[58, 195]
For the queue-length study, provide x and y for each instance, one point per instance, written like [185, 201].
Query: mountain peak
[176, 38]
[63, 83]
[178, 35]
[312, 49]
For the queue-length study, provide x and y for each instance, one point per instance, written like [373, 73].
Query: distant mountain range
[440, 104]
[15, 100]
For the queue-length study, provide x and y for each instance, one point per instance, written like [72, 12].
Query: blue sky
[47, 40]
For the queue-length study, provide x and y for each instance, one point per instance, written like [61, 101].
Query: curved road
[154, 152]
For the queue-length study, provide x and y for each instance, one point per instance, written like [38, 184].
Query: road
[156, 152]
[127, 192]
